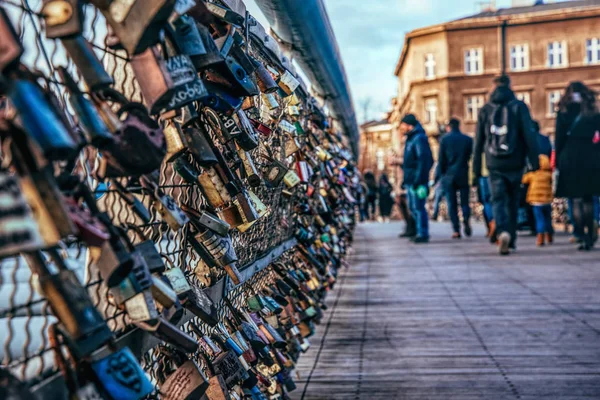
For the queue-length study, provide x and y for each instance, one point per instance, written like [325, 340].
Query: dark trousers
[439, 196]
[505, 187]
[583, 219]
[451, 197]
[543, 218]
[411, 225]
[417, 209]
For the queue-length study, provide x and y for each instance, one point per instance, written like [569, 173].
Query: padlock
[195, 40]
[112, 259]
[261, 128]
[247, 138]
[169, 333]
[192, 297]
[70, 302]
[214, 190]
[227, 15]
[90, 230]
[63, 18]
[10, 43]
[132, 201]
[167, 84]
[117, 375]
[39, 120]
[199, 147]
[94, 128]
[139, 143]
[90, 67]
[250, 170]
[264, 79]
[39, 188]
[174, 140]
[237, 78]
[292, 146]
[136, 23]
[288, 83]
[204, 220]
[229, 366]
[217, 251]
[166, 206]
[148, 251]
[220, 99]
[19, 230]
[269, 101]
[187, 382]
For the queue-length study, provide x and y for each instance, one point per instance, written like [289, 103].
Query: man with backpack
[418, 161]
[505, 133]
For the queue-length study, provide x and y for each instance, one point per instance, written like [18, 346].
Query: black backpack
[502, 138]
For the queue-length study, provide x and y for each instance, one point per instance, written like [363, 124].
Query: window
[429, 66]
[474, 61]
[431, 111]
[472, 106]
[592, 55]
[519, 57]
[553, 99]
[557, 54]
[525, 97]
[380, 156]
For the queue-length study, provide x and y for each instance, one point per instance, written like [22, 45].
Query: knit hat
[502, 81]
[410, 119]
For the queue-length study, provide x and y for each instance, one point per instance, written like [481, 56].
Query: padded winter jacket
[418, 159]
[540, 183]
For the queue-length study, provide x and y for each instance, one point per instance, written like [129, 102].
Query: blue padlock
[121, 376]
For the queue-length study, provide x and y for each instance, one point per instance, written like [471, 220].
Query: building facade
[447, 70]
[379, 149]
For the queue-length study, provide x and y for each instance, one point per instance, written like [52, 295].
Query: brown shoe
[456, 235]
[549, 238]
[540, 240]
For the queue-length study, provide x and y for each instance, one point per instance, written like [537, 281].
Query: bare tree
[365, 105]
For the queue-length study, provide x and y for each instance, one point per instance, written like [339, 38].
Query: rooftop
[542, 7]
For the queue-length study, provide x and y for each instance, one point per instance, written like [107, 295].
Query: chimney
[488, 5]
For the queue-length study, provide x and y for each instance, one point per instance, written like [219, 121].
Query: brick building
[447, 70]
[377, 146]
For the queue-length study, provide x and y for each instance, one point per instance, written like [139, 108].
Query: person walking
[455, 153]
[505, 134]
[386, 200]
[539, 196]
[578, 157]
[371, 195]
[418, 161]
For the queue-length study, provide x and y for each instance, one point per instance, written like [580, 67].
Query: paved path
[453, 320]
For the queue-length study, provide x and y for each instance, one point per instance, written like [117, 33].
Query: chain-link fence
[25, 315]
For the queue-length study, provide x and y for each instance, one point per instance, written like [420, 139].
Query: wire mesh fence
[25, 316]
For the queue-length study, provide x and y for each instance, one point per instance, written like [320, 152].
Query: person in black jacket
[578, 157]
[505, 133]
[453, 163]
[386, 200]
[417, 165]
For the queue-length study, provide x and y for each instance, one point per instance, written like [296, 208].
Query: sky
[370, 36]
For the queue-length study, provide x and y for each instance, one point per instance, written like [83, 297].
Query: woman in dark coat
[578, 157]
[371, 205]
[386, 201]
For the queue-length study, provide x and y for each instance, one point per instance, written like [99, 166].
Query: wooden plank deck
[453, 320]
